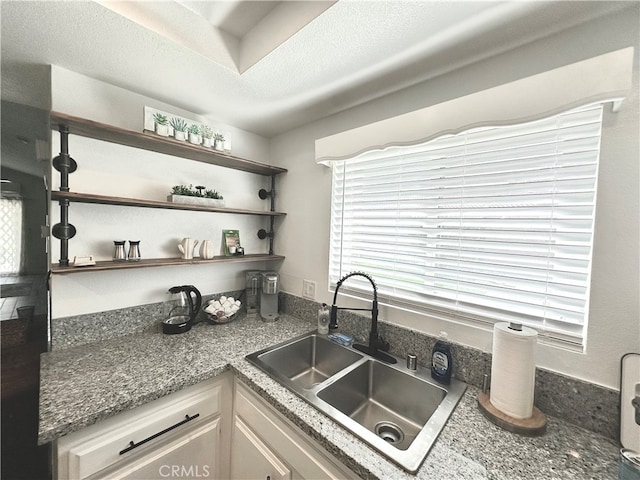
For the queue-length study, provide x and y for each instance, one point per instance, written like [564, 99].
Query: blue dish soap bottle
[441, 362]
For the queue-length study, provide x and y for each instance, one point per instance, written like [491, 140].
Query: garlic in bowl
[222, 310]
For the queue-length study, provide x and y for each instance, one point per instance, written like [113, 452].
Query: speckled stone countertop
[83, 385]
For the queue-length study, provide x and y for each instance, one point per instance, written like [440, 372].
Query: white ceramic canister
[207, 250]
[186, 247]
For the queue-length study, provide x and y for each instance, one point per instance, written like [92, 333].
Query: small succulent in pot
[207, 135]
[194, 133]
[206, 131]
[218, 143]
[161, 124]
[179, 127]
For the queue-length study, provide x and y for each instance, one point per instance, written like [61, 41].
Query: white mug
[206, 249]
[186, 247]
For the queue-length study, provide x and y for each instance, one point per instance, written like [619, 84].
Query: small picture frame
[231, 242]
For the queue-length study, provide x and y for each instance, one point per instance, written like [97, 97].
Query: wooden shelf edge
[155, 143]
[133, 202]
[163, 262]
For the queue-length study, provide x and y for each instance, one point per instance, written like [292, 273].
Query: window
[11, 235]
[493, 224]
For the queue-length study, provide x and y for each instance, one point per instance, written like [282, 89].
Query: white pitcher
[186, 247]
[206, 249]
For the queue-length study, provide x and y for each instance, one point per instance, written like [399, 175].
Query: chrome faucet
[377, 346]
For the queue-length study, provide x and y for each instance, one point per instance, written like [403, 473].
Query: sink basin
[307, 361]
[386, 401]
[397, 411]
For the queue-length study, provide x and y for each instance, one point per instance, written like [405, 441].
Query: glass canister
[252, 295]
[134, 251]
[119, 254]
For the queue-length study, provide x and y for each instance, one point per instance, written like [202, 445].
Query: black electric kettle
[182, 309]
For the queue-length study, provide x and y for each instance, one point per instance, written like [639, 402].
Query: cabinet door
[301, 455]
[251, 459]
[193, 456]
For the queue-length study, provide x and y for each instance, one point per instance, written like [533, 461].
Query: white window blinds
[494, 224]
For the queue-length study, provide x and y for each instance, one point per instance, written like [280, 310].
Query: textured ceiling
[344, 54]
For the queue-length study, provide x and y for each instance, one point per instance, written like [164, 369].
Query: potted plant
[218, 141]
[212, 194]
[179, 128]
[207, 135]
[189, 195]
[161, 124]
[194, 134]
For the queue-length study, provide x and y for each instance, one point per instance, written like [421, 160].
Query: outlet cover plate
[309, 289]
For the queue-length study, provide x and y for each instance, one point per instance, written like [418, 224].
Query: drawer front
[131, 434]
[192, 457]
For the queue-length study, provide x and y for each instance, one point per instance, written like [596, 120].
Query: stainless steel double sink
[397, 411]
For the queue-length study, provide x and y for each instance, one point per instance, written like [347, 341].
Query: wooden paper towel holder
[533, 426]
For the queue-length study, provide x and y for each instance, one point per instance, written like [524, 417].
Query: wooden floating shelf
[156, 143]
[133, 202]
[163, 262]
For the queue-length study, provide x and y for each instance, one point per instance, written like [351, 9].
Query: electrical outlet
[309, 289]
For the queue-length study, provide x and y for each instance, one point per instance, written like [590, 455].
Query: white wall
[116, 170]
[614, 314]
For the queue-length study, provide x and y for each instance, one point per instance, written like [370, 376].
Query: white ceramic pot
[207, 249]
[179, 135]
[206, 142]
[218, 145]
[162, 130]
[194, 138]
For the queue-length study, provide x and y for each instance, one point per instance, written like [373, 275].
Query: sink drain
[389, 432]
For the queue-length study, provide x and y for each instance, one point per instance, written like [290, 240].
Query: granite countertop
[85, 384]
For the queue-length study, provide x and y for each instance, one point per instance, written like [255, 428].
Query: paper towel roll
[513, 370]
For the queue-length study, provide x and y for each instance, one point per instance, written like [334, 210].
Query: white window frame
[554, 330]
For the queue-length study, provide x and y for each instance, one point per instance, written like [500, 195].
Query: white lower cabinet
[183, 435]
[267, 446]
[218, 429]
[251, 458]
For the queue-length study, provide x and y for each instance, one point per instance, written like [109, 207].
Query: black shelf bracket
[64, 164]
[263, 194]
